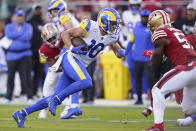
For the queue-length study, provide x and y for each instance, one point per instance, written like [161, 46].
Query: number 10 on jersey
[95, 49]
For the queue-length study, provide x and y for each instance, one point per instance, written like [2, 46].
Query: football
[77, 41]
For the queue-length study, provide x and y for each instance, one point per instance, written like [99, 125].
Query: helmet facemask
[113, 28]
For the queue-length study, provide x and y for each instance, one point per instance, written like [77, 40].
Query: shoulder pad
[85, 25]
[63, 18]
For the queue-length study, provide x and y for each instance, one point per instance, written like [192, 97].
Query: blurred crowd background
[105, 76]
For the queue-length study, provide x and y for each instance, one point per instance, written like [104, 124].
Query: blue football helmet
[109, 20]
[135, 2]
[59, 5]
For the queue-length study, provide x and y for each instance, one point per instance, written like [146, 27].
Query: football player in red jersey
[188, 101]
[172, 43]
[189, 98]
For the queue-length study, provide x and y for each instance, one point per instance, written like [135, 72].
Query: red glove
[179, 96]
[147, 53]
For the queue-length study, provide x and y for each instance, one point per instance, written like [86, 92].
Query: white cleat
[64, 112]
[185, 122]
[43, 114]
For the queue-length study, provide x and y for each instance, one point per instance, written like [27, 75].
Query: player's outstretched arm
[71, 33]
[157, 55]
[118, 51]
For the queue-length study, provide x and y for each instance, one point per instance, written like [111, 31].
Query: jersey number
[95, 49]
[185, 43]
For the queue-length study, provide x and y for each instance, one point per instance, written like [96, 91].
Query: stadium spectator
[18, 54]
[186, 24]
[38, 68]
[142, 41]
[130, 18]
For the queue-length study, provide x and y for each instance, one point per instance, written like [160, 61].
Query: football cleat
[72, 112]
[155, 129]
[185, 122]
[53, 103]
[147, 112]
[19, 118]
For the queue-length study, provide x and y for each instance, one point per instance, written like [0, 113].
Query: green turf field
[93, 119]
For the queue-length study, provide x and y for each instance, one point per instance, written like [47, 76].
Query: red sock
[159, 125]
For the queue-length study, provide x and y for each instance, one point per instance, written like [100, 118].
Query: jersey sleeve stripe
[159, 36]
[159, 31]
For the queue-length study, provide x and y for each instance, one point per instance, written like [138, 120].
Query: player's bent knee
[88, 83]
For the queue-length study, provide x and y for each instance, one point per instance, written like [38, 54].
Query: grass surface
[93, 119]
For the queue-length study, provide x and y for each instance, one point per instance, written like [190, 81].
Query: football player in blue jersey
[97, 35]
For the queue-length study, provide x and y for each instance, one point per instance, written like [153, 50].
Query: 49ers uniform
[47, 52]
[182, 56]
[179, 51]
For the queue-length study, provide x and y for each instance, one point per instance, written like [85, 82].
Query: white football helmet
[51, 35]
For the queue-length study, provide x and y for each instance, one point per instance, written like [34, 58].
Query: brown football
[77, 41]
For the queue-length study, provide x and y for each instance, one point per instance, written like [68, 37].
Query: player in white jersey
[64, 20]
[130, 18]
[75, 77]
[97, 36]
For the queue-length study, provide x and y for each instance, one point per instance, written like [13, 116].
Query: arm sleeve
[27, 33]
[85, 25]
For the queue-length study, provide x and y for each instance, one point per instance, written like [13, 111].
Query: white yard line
[91, 119]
